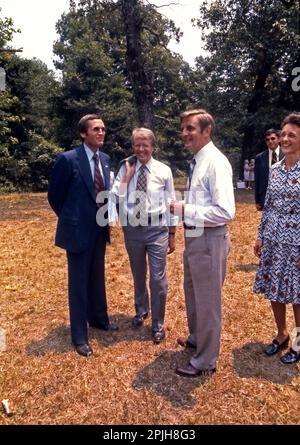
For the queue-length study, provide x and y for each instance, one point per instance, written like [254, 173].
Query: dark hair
[83, 123]
[272, 131]
[204, 118]
[293, 118]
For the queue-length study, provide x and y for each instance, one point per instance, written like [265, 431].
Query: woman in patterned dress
[278, 243]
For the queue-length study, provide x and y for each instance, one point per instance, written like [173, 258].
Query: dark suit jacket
[71, 195]
[261, 171]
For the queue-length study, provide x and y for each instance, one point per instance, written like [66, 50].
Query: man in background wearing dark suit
[79, 175]
[263, 162]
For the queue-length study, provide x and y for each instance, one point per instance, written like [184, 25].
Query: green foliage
[91, 53]
[30, 166]
[246, 78]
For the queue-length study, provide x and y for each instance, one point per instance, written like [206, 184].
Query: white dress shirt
[160, 190]
[277, 151]
[210, 201]
[90, 155]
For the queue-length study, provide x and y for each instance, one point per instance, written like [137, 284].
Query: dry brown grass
[129, 380]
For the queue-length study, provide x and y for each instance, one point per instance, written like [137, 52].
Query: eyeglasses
[270, 139]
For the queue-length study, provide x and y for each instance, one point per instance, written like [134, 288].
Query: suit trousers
[205, 259]
[87, 296]
[151, 241]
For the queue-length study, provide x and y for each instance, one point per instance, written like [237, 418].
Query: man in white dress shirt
[207, 208]
[143, 187]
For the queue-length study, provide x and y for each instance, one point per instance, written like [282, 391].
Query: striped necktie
[98, 181]
[274, 157]
[141, 191]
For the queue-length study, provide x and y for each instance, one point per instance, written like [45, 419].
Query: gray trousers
[152, 242]
[205, 260]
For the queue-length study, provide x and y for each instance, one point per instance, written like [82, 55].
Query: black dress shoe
[185, 343]
[158, 336]
[138, 320]
[290, 357]
[191, 371]
[84, 350]
[275, 346]
[105, 327]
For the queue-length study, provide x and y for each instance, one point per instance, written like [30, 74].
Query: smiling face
[142, 147]
[94, 135]
[193, 138]
[290, 140]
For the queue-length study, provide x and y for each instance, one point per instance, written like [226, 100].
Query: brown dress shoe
[191, 371]
[185, 343]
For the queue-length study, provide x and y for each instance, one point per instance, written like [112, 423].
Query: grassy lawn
[129, 380]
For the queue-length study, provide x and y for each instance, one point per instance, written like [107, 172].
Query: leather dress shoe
[275, 346]
[290, 357]
[158, 336]
[106, 327]
[138, 320]
[191, 371]
[185, 343]
[84, 350]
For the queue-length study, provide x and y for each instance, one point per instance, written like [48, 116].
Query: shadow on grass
[250, 361]
[59, 341]
[160, 378]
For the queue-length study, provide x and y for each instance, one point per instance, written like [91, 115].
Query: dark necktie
[141, 189]
[191, 171]
[98, 181]
[274, 157]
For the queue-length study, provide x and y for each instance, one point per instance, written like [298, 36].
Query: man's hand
[130, 170]
[257, 248]
[177, 208]
[298, 264]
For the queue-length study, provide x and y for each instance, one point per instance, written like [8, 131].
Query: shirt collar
[89, 152]
[201, 154]
[148, 165]
[277, 151]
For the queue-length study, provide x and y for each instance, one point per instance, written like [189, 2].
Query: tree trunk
[263, 71]
[141, 83]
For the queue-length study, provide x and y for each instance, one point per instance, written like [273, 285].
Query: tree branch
[8, 50]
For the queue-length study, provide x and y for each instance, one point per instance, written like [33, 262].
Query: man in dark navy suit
[78, 176]
[263, 162]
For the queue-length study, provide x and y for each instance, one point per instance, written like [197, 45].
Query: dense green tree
[26, 123]
[92, 53]
[253, 46]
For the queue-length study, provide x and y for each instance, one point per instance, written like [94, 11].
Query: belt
[200, 227]
[190, 227]
[154, 217]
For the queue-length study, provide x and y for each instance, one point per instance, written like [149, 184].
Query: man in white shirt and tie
[143, 188]
[207, 209]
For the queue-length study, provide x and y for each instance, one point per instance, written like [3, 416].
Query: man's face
[142, 148]
[95, 134]
[192, 136]
[272, 141]
[290, 140]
